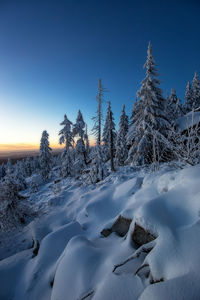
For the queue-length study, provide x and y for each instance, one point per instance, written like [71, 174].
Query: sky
[52, 54]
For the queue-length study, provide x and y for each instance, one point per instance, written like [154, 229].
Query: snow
[187, 120]
[75, 261]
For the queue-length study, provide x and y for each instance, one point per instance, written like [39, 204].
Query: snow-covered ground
[74, 261]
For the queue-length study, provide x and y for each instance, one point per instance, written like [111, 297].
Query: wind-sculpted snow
[74, 261]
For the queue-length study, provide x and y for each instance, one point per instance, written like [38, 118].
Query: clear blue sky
[53, 52]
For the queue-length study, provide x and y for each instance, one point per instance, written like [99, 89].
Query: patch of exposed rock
[120, 227]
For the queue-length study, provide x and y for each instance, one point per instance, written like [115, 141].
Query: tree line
[150, 137]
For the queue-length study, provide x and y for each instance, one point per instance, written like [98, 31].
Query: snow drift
[74, 261]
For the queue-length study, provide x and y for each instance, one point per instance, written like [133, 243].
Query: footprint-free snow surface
[70, 259]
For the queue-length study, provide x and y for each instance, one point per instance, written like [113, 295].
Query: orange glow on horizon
[24, 147]
[30, 147]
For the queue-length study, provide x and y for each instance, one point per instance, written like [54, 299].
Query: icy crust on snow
[75, 261]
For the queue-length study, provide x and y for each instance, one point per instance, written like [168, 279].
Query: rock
[141, 236]
[106, 232]
[36, 249]
[120, 227]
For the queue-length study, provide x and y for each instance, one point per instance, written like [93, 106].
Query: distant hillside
[17, 155]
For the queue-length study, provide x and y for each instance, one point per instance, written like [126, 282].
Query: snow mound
[75, 262]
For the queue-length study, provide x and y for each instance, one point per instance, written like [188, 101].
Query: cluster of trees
[150, 137]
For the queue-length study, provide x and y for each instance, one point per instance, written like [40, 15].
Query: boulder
[141, 236]
[120, 227]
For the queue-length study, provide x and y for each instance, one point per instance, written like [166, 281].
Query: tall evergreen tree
[109, 137]
[12, 210]
[121, 145]
[151, 117]
[174, 108]
[188, 105]
[28, 167]
[66, 137]
[78, 128]
[19, 177]
[9, 166]
[45, 155]
[196, 90]
[98, 170]
[2, 171]
[131, 141]
[78, 131]
[99, 116]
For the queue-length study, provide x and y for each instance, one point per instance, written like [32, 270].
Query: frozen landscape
[75, 261]
[114, 214]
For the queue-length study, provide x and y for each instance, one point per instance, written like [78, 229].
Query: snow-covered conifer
[19, 177]
[121, 145]
[80, 161]
[9, 166]
[33, 185]
[66, 137]
[80, 156]
[67, 167]
[98, 170]
[78, 128]
[150, 117]
[2, 171]
[174, 109]
[45, 155]
[12, 209]
[186, 144]
[136, 115]
[99, 116]
[28, 167]
[36, 164]
[109, 136]
[188, 105]
[196, 91]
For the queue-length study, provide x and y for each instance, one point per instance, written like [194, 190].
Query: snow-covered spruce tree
[12, 209]
[66, 137]
[78, 131]
[35, 164]
[186, 145]
[98, 170]
[174, 109]
[45, 156]
[19, 177]
[2, 171]
[33, 185]
[109, 137]
[188, 105]
[131, 141]
[121, 145]
[151, 119]
[22, 166]
[78, 127]
[9, 166]
[99, 116]
[28, 167]
[196, 91]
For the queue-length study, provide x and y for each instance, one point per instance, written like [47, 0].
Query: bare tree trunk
[99, 112]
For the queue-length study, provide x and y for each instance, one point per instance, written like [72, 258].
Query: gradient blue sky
[53, 52]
